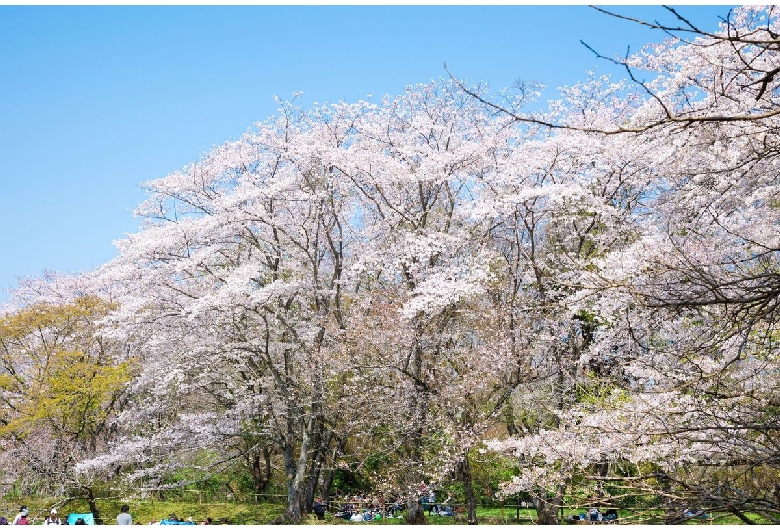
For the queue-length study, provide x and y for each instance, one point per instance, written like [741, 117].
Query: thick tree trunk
[546, 512]
[297, 482]
[291, 502]
[414, 511]
[547, 508]
[310, 482]
[320, 446]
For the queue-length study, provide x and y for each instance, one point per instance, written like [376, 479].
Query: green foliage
[348, 481]
[488, 472]
[58, 374]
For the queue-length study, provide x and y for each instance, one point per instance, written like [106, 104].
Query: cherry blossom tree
[238, 300]
[417, 164]
[685, 311]
[261, 269]
[380, 285]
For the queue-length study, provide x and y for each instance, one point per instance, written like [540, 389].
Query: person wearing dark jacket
[318, 508]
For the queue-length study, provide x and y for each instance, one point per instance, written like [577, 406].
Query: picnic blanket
[88, 518]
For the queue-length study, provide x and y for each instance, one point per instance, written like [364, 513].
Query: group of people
[361, 508]
[124, 518]
[23, 518]
[174, 519]
[428, 500]
[595, 516]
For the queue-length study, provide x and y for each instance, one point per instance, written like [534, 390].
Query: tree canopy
[394, 287]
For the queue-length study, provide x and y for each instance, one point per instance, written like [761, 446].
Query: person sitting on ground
[432, 508]
[610, 515]
[318, 508]
[395, 507]
[19, 515]
[696, 512]
[52, 518]
[23, 517]
[445, 506]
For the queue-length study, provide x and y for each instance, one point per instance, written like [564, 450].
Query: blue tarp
[168, 521]
[88, 518]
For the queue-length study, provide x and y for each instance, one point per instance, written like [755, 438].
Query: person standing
[124, 517]
[19, 515]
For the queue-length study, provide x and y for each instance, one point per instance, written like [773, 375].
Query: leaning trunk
[93, 507]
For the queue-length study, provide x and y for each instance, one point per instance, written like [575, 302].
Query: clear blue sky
[96, 100]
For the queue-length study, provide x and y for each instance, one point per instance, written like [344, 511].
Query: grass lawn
[265, 512]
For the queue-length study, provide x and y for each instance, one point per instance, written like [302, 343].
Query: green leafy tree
[60, 385]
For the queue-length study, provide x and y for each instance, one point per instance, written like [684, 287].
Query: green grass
[238, 513]
[146, 510]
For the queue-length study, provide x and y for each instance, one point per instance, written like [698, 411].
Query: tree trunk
[418, 405]
[468, 490]
[297, 481]
[546, 508]
[320, 445]
[546, 512]
[316, 439]
[260, 466]
[93, 507]
[414, 511]
[329, 471]
[311, 486]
